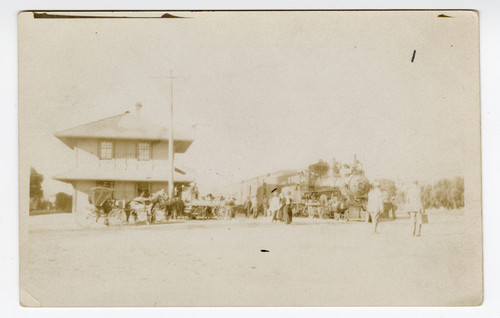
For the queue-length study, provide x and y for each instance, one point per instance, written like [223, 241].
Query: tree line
[63, 201]
[445, 193]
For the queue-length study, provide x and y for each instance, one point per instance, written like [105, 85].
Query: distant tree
[388, 186]
[456, 193]
[36, 192]
[427, 196]
[63, 201]
[444, 193]
[400, 198]
[43, 205]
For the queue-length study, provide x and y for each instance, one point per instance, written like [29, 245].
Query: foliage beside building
[445, 193]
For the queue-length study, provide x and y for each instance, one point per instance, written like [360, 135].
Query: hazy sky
[267, 91]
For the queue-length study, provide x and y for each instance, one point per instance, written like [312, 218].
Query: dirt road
[219, 263]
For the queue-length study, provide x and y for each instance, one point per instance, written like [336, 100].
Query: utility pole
[170, 135]
[171, 140]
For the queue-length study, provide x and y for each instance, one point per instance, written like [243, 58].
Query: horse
[169, 209]
[174, 208]
[157, 199]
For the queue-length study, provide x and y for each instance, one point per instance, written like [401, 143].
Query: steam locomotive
[321, 184]
[318, 185]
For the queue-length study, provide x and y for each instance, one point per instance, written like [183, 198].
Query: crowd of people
[278, 208]
[375, 207]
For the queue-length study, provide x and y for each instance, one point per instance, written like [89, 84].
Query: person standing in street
[232, 206]
[287, 209]
[227, 209]
[274, 206]
[282, 206]
[255, 207]
[265, 206]
[247, 206]
[414, 207]
[375, 205]
[323, 201]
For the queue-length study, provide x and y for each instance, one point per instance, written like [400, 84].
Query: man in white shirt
[275, 205]
[375, 204]
[414, 207]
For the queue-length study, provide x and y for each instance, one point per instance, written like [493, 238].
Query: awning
[153, 175]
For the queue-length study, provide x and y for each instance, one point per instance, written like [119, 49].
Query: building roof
[124, 126]
[274, 174]
[156, 175]
[276, 177]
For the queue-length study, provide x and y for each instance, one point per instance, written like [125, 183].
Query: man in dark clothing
[247, 206]
[287, 209]
[255, 207]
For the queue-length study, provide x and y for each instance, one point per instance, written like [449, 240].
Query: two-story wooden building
[125, 152]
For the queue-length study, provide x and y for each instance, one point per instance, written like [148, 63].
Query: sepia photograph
[312, 158]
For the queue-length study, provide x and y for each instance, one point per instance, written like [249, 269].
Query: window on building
[106, 150]
[143, 151]
[105, 184]
[143, 189]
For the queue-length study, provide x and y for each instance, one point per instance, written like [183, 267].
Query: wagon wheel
[159, 213]
[215, 212]
[117, 217]
[132, 216]
[88, 218]
[218, 212]
[222, 212]
[141, 214]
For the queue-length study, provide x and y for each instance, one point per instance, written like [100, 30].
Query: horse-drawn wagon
[156, 208]
[104, 206]
[150, 209]
[205, 209]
